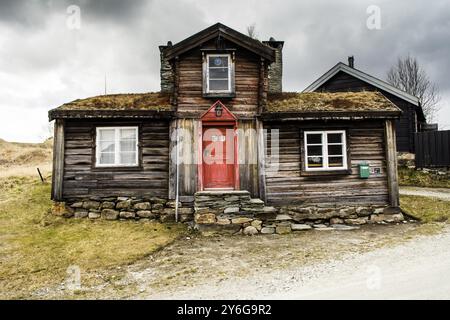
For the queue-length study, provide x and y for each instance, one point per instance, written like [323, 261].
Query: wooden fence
[432, 149]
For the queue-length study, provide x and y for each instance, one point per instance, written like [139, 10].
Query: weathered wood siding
[248, 157]
[287, 185]
[191, 102]
[188, 153]
[406, 126]
[82, 179]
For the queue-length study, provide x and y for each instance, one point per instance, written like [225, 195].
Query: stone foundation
[233, 212]
[125, 208]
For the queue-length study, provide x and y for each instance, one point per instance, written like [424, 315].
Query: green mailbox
[364, 170]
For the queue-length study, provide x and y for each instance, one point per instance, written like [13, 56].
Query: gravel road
[414, 270]
[439, 193]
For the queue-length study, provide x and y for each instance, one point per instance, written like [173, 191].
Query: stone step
[236, 203]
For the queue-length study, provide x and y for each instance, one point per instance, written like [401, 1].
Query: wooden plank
[172, 161]
[58, 161]
[261, 160]
[391, 163]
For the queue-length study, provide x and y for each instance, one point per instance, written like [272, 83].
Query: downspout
[177, 173]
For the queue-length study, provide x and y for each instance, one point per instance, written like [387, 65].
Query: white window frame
[207, 72]
[325, 154]
[116, 147]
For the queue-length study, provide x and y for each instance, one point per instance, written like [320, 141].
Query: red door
[218, 157]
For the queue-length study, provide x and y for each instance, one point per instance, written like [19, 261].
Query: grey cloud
[43, 64]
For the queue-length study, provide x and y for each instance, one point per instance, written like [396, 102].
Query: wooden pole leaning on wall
[58, 161]
[391, 162]
[261, 159]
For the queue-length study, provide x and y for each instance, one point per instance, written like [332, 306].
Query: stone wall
[276, 68]
[124, 208]
[166, 73]
[233, 212]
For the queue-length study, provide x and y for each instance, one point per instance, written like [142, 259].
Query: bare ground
[238, 267]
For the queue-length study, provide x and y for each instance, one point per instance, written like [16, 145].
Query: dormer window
[218, 75]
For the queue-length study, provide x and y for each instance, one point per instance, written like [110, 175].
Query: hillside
[18, 159]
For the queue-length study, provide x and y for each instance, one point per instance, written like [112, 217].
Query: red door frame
[210, 119]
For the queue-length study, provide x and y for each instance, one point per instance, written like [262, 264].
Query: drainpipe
[177, 175]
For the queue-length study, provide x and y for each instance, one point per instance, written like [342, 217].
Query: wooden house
[221, 145]
[346, 78]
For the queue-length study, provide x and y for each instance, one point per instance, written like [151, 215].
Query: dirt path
[439, 193]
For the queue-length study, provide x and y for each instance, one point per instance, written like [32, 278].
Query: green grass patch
[411, 177]
[426, 209]
[36, 247]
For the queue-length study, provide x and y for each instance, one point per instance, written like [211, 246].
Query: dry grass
[137, 101]
[37, 248]
[426, 209]
[364, 101]
[22, 159]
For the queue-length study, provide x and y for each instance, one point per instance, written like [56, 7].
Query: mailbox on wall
[364, 170]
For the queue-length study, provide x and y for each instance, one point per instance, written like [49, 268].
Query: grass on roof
[132, 101]
[329, 102]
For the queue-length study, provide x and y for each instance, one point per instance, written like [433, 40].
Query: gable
[344, 82]
[377, 83]
[218, 112]
[220, 32]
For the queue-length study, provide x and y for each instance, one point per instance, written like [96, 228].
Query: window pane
[218, 61]
[314, 138]
[128, 158]
[335, 150]
[128, 145]
[220, 73]
[107, 158]
[335, 162]
[127, 134]
[218, 85]
[314, 150]
[315, 162]
[106, 134]
[334, 138]
[107, 146]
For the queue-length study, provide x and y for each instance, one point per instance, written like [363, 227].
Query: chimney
[166, 71]
[276, 68]
[351, 61]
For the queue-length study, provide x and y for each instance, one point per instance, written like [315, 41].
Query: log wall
[82, 178]
[287, 184]
[189, 88]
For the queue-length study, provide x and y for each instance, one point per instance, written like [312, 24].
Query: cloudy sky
[46, 60]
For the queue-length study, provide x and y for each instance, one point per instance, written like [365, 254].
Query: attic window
[218, 74]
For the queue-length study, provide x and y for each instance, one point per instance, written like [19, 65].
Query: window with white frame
[117, 147]
[325, 150]
[218, 73]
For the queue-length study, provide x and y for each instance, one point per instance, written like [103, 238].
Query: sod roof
[324, 102]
